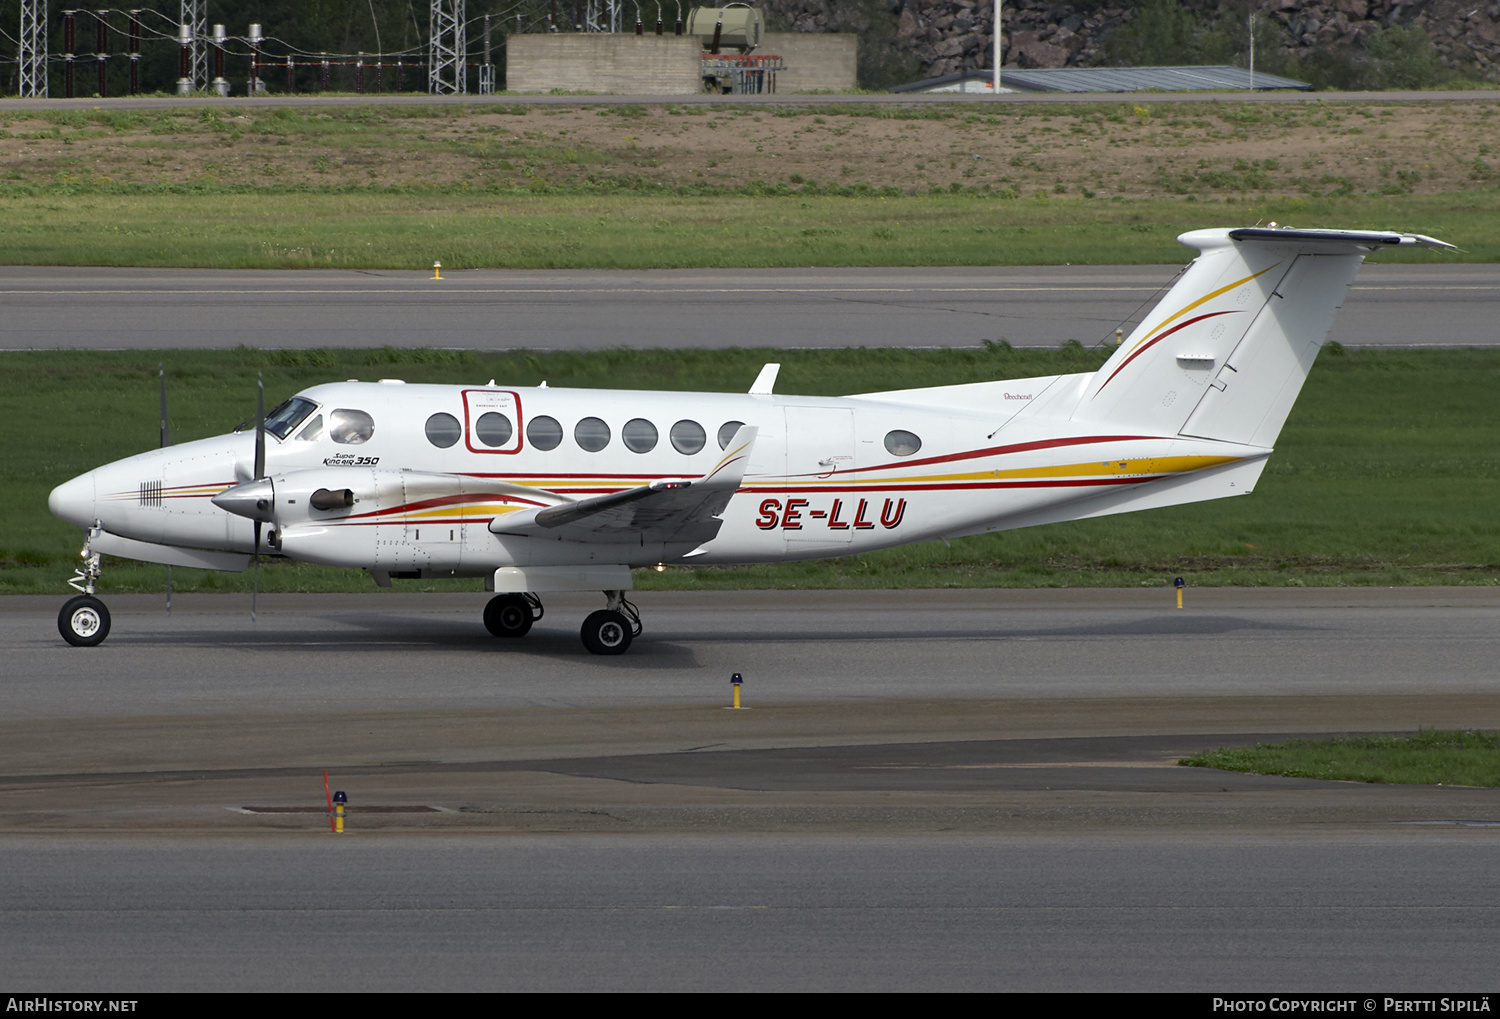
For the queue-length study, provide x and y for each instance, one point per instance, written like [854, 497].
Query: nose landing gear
[84, 621]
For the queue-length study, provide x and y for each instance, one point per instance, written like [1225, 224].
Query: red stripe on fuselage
[446, 500]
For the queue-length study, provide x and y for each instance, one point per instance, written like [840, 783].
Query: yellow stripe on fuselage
[1089, 469]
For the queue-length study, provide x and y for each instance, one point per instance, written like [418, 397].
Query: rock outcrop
[943, 36]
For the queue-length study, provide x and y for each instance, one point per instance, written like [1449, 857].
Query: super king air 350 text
[541, 490]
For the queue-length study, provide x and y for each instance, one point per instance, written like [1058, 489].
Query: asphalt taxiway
[921, 700]
[98, 308]
[925, 790]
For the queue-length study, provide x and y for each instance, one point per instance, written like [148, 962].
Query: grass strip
[286, 227]
[1387, 474]
[1431, 757]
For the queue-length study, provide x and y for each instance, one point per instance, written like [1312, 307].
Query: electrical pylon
[447, 50]
[32, 56]
[195, 17]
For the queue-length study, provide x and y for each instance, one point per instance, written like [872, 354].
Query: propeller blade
[255, 589]
[166, 440]
[166, 429]
[260, 472]
[260, 432]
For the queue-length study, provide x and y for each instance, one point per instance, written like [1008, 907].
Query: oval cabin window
[350, 427]
[900, 442]
[443, 430]
[727, 430]
[493, 429]
[544, 432]
[639, 435]
[687, 437]
[591, 434]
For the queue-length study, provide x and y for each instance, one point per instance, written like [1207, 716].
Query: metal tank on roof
[733, 26]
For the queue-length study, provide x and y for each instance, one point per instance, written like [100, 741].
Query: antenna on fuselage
[166, 440]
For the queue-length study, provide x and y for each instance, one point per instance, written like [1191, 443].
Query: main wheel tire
[508, 615]
[606, 632]
[83, 621]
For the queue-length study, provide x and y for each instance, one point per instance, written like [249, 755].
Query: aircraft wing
[683, 510]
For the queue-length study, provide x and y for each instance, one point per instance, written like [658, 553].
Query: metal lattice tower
[32, 56]
[195, 16]
[447, 49]
[602, 15]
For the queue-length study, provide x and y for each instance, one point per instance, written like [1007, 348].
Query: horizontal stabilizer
[1337, 241]
[668, 511]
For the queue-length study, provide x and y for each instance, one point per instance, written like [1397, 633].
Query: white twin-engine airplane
[541, 490]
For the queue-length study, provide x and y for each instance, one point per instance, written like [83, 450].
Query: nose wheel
[83, 621]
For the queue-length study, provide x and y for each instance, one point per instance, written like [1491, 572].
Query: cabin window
[544, 432]
[639, 435]
[726, 432]
[313, 432]
[493, 429]
[287, 416]
[687, 437]
[591, 434]
[443, 430]
[350, 427]
[899, 442]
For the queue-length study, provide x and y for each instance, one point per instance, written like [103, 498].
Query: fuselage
[432, 466]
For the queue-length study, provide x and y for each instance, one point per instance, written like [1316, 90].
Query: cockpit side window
[350, 427]
[288, 416]
[313, 432]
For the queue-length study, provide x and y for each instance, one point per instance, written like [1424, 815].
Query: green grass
[517, 185]
[1388, 472]
[465, 228]
[1431, 757]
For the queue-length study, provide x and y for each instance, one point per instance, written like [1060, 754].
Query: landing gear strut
[84, 621]
[511, 615]
[610, 631]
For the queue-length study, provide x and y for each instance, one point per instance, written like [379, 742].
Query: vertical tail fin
[1225, 353]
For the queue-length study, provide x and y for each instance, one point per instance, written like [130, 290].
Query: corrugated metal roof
[1142, 79]
[1114, 79]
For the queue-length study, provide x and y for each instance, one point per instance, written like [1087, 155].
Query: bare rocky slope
[1328, 42]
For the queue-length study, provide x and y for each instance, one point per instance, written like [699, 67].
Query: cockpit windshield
[283, 418]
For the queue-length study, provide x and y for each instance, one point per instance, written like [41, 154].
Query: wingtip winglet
[736, 452]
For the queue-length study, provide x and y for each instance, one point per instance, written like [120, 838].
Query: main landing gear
[610, 630]
[84, 621]
[606, 632]
[511, 615]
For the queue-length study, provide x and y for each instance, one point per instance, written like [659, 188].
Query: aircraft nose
[73, 501]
